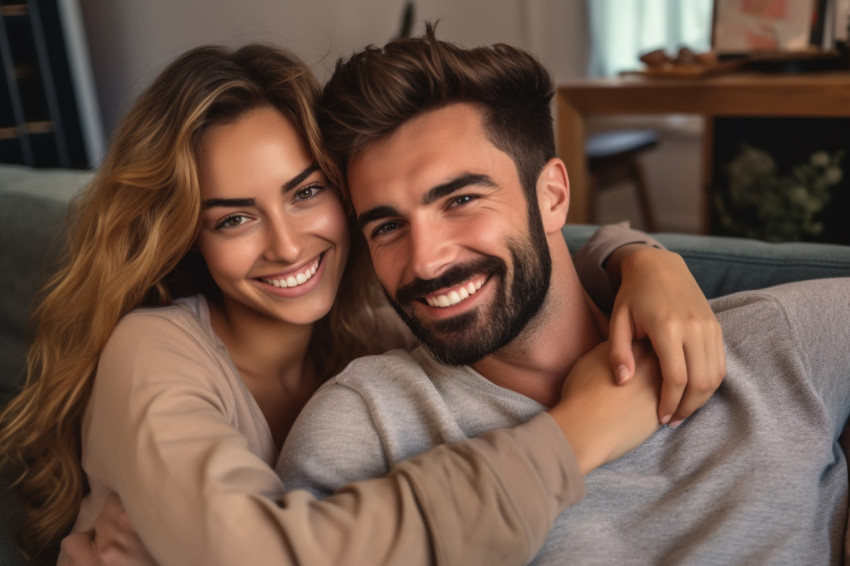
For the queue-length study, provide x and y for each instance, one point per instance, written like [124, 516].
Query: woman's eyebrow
[237, 202]
[227, 202]
[299, 178]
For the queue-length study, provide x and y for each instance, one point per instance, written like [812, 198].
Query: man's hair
[377, 90]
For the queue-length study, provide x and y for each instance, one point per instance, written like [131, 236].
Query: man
[450, 162]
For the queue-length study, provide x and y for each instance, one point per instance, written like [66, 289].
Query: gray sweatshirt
[756, 476]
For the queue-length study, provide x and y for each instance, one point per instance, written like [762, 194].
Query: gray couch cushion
[32, 208]
[10, 519]
[724, 265]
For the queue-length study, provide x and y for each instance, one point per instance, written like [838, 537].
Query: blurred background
[114, 48]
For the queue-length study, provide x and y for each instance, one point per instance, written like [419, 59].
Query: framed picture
[744, 27]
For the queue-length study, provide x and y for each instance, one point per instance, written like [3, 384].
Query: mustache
[455, 275]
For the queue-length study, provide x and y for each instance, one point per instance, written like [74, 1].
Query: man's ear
[553, 195]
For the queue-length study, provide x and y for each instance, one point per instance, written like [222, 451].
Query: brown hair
[129, 240]
[378, 89]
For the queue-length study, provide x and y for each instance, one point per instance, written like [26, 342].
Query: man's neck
[536, 363]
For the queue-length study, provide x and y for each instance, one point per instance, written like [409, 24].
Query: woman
[215, 191]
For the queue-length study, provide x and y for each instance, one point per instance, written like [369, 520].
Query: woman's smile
[294, 280]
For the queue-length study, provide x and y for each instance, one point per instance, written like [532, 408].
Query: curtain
[622, 30]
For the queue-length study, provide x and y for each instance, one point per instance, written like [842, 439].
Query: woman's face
[273, 234]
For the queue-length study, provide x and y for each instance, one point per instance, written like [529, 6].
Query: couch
[33, 204]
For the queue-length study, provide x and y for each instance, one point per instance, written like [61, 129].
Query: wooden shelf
[25, 71]
[44, 127]
[33, 128]
[10, 10]
[41, 122]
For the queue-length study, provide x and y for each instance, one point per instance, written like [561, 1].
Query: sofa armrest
[723, 265]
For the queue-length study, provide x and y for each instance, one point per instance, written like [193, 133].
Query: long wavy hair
[129, 240]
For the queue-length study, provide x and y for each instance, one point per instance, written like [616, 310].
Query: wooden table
[740, 94]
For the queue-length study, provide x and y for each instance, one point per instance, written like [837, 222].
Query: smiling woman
[216, 209]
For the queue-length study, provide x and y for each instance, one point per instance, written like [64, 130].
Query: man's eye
[461, 200]
[308, 192]
[384, 228]
[232, 221]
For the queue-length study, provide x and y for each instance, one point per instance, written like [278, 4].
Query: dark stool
[612, 157]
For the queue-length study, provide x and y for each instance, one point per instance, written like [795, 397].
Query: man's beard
[468, 337]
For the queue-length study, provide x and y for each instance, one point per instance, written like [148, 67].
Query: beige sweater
[173, 430]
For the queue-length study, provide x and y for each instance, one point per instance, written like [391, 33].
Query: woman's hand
[603, 420]
[111, 542]
[659, 299]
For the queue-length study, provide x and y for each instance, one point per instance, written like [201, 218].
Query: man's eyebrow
[435, 194]
[445, 189]
[237, 202]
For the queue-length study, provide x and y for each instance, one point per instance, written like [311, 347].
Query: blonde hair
[128, 245]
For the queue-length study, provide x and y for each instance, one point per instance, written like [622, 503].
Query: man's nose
[432, 249]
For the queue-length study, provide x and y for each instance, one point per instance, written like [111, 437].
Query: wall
[131, 40]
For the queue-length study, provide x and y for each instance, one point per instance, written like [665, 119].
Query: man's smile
[456, 295]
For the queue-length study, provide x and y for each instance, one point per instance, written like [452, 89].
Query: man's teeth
[294, 280]
[455, 296]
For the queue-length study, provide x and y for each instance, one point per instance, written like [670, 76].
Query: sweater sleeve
[495, 497]
[489, 500]
[159, 432]
[591, 257]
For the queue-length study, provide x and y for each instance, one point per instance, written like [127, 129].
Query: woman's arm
[161, 432]
[502, 490]
[656, 298]
[197, 495]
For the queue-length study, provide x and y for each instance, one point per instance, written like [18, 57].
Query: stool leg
[643, 195]
[593, 184]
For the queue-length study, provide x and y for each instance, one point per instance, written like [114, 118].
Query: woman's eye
[308, 192]
[232, 221]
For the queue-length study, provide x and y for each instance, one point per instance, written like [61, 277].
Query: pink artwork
[767, 9]
[745, 26]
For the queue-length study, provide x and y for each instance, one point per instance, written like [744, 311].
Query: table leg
[707, 174]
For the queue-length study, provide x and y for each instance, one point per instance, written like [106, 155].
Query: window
[622, 30]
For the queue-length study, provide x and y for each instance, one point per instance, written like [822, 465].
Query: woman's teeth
[455, 296]
[296, 279]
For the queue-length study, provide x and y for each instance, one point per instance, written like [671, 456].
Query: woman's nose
[283, 242]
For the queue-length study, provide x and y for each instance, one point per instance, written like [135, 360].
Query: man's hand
[601, 420]
[660, 300]
[112, 541]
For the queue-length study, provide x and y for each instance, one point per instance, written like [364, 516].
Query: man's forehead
[431, 149]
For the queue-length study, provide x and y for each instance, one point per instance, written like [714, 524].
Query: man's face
[451, 239]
